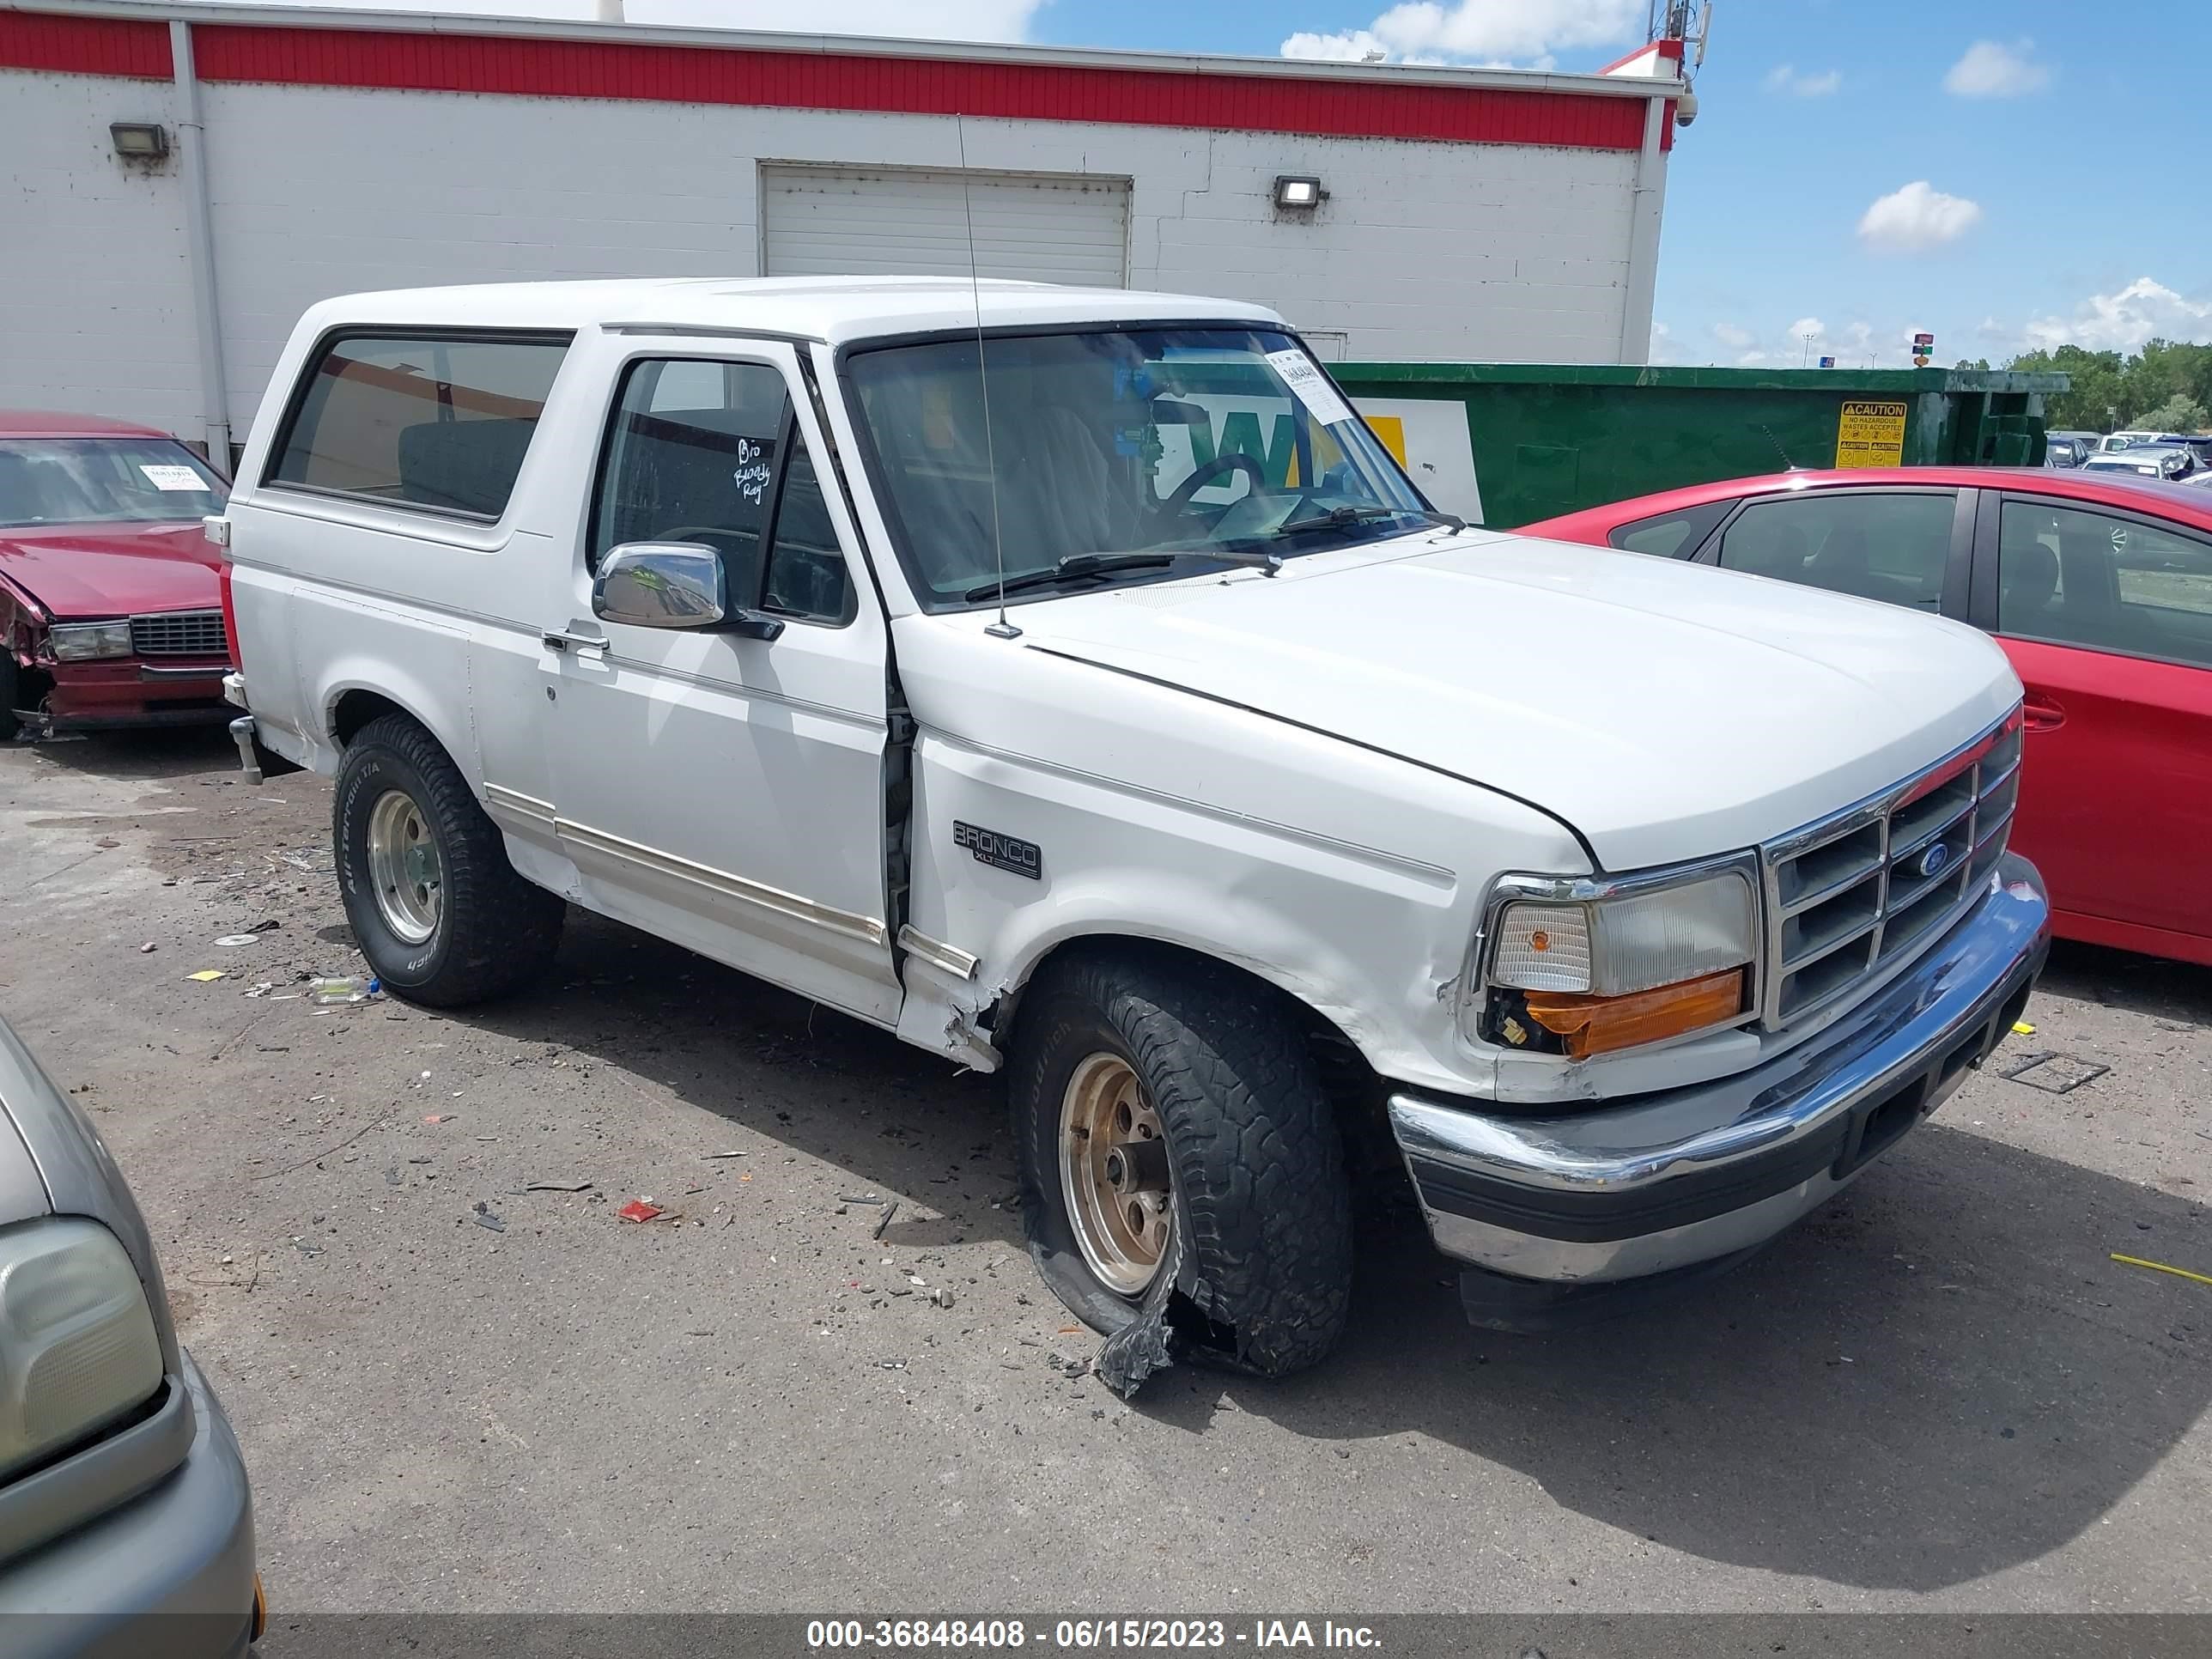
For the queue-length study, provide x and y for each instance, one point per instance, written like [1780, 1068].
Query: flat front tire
[1170, 1118]
[434, 904]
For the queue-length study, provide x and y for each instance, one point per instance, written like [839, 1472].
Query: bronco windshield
[1124, 454]
[104, 481]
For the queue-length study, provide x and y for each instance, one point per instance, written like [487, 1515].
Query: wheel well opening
[356, 709]
[1356, 1092]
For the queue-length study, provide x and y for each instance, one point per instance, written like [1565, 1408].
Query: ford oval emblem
[1933, 861]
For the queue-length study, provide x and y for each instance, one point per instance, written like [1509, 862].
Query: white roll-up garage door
[883, 221]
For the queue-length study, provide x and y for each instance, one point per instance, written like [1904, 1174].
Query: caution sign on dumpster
[1871, 435]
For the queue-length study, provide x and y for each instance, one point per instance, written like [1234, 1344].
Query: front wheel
[438, 910]
[1170, 1119]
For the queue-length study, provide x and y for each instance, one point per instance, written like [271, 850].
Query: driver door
[723, 791]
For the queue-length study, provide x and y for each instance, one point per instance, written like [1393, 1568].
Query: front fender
[1369, 934]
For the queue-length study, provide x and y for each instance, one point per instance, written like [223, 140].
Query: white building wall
[95, 290]
[1422, 251]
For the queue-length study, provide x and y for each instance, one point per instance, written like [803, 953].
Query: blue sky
[1859, 169]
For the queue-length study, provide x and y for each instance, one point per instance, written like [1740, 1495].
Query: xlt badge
[1023, 858]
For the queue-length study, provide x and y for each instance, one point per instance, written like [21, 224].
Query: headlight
[77, 1344]
[1579, 968]
[90, 641]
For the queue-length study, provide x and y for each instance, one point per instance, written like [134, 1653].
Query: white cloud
[933, 20]
[1916, 218]
[1991, 69]
[1494, 31]
[1805, 325]
[1784, 77]
[1733, 337]
[1350, 46]
[2144, 310]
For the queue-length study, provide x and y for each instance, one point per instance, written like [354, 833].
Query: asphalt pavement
[463, 1383]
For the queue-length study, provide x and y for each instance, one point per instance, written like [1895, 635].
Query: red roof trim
[535, 66]
[85, 46]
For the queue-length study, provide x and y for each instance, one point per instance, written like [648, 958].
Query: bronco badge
[1023, 858]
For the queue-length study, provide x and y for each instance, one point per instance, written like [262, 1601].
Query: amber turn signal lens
[1597, 1025]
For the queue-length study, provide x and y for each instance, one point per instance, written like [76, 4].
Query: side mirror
[672, 585]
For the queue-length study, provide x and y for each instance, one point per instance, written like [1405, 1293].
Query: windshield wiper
[1343, 518]
[1075, 566]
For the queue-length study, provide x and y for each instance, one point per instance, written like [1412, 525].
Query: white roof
[834, 309]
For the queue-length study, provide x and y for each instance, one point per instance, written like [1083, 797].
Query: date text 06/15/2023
[1086, 1635]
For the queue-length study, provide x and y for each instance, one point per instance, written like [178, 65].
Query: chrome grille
[1852, 894]
[179, 634]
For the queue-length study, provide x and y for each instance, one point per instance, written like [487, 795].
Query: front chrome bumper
[1664, 1181]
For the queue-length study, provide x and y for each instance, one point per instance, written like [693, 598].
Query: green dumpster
[1503, 444]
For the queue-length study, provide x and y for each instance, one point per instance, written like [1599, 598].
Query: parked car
[1121, 717]
[110, 608]
[2097, 586]
[125, 1522]
[2144, 460]
[2123, 440]
[2085, 441]
[2062, 452]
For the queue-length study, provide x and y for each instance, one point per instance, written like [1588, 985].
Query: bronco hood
[95, 571]
[1665, 711]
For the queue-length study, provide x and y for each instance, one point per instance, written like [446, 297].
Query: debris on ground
[941, 1297]
[891, 1209]
[639, 1210]
[233, 941]
[2161, 1268]
[2054, 1072]
[343, 987]
[711, 1157]
[207, 975]
[439, 1117]
[557, 1186]
[147, 948]
[487, 1216]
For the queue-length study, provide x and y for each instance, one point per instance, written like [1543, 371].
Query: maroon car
[111, 610]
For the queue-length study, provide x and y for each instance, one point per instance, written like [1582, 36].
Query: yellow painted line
[2160, 1267]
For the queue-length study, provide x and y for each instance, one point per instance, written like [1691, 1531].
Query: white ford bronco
[1070, 682]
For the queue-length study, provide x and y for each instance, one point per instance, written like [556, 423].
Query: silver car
[125, 1522]
[2144, 460]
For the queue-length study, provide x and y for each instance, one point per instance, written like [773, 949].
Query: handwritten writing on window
[753, 474]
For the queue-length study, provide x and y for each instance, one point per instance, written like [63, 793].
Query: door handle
[567, 642]
[2042, 714]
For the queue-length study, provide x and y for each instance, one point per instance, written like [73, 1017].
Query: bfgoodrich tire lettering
[1262, 1205]
[494, 929]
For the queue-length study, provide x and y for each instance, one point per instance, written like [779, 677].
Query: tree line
[2165, 387]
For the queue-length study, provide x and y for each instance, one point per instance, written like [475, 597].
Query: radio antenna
[1001, 629]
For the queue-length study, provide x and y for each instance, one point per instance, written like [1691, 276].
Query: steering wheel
[1179, 501]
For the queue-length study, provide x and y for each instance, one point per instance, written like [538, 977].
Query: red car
[111, 609]
[2099, 587]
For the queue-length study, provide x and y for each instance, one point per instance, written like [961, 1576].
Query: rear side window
[1671, 535]
[2074, 576]
[437, 421]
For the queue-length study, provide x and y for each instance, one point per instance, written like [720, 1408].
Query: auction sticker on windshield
[1871, 435]
[173, 477]
[1313, 388]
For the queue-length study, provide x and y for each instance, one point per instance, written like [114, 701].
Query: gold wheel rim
[1114, 1173]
